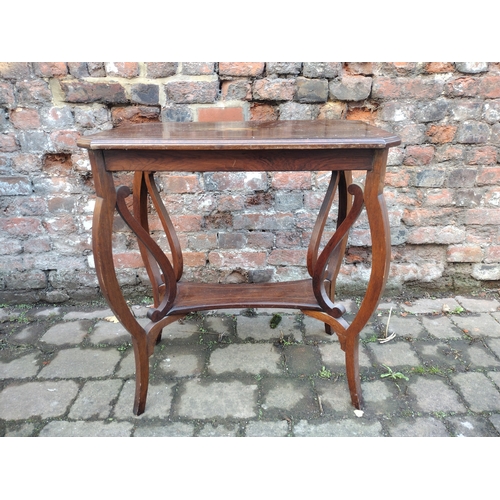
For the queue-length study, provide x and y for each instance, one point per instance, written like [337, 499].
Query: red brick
[65, 140]
[482, 216]
[464, 253]
[241, 68]
[439, 197]
[439, 67]
[128, 260]
[21, 226]
[463, 87]
[488, 175]
[192, 91]
[490, 87]
[187, 223]
[287, 257]
[237, 259]
[492, 197]
[123, 69]
[161, 69]
[6, 94]
[439, 134]
[263, 112]
[198, 68]
[419, 155]
[492, 254]
[50, 69]
[57, 164]
[361, 114]
[436, 235]
[194, 259]
[8, 143]
[399, 178]
[182, 183]
[14, 70]
[79, 91]
[292, 180]
[134, 114]
[274, 89]
[398, 88]
[63, 224]
[233, 114]
[451, 152]
[25, 118]
[486, 155]
[358, 68]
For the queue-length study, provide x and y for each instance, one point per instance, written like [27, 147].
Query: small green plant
[457, 310]
[393, 375]
[275, 320]
[325, 373]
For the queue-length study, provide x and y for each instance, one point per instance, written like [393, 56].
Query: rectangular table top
[286, 134]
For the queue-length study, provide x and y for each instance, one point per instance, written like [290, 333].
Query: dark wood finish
[337, 146]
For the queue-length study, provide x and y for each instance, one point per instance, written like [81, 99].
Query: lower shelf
[193, 297]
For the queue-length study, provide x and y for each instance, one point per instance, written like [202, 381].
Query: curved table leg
[102, 229]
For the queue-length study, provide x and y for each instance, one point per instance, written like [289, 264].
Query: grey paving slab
[494, 345]
[77, 362]
[217, 399]
[315, 330]
[394, 354]
[478, 391]
[94, 314]
[342, 428]
[430, 306]
[267, 429]
[174, 429]
[478, 325]
[258, 328]
[246, 358]
[107, 332]
[70, 332]
[495, 420]
[476, 305]
[159, 401]
[95, 398]
[471, 426]
[36, 399]
[86, 429]
[333, 357]
[419, 427]
[441, 327]
[434, 394]
[181, 361]
[221, 430]
[23, 367]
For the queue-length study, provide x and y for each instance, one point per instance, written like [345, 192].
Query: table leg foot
[352, 371]
[141, 375]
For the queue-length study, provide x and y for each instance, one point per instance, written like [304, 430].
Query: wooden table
[322, 145]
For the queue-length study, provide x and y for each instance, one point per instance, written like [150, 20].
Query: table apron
[239, 160]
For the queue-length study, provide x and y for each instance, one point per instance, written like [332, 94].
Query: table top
[286, 134]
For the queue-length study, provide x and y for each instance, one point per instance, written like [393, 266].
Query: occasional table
[336, 146]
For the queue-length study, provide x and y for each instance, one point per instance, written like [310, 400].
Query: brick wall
[442, 189]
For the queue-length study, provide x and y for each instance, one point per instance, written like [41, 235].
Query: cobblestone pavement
[69, 371]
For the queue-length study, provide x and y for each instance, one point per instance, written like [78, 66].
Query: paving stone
[267, 429]
[287, 398]
[210, 430]
[334, 395]
[478, 305]
[94, 399]
[418, 427]
[470, 426]
[126, 367]
[433, 395]
[23, 367]
[405, 326]
[302, 360]
[48, 313]
[181, 361]
[441, 356]
[478, 391]
[33, 399]
[495, 376]
[478, 325]
[495, 420]
[86, 429]
[71, 332]
[441, 327]
[381, 397]
[223, 325]
[25, 430]
[494, 345]
[246, 358]
[315, 330]
[217, 399]
[181, 330]
[430, 306]
[344, 428]
[333, 357]
[97, 314]
[394, 354]
[175, 429]
[258, 328]
[85, 363]
[106, 332]
[158, 403]
[29, 334]
[478, 356]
